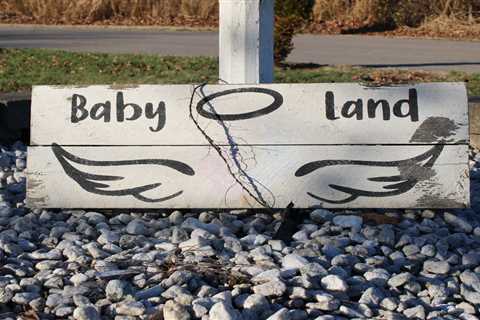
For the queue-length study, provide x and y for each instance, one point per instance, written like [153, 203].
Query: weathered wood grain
[246, 41]
[196, 177]
[276, 114]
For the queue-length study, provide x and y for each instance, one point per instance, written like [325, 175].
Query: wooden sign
[241, 146]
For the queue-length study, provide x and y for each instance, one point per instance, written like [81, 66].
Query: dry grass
[91, 11]
[206, 11]
[437, 18]
[378, 11]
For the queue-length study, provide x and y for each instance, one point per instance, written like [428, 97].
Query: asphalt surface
[368, 51]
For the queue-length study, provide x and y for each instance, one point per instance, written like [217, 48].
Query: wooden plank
[276, 114]
[246, 41]
[197, 177]
[474, 110]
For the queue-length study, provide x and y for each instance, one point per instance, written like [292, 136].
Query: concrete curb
[15, 118]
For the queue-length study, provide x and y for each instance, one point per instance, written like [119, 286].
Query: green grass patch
[22, 68]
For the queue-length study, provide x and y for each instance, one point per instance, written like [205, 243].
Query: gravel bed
[222, 265]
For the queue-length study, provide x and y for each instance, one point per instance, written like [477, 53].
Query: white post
[246, 41]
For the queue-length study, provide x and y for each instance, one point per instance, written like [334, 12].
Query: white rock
[130, 308]
[334, 283]
[282, 314]
[274, 288]
[293, 261]
[87, 312]
[223, 311]
[175, 311]
[78, 279]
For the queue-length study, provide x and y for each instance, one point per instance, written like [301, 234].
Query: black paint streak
[402, 183]
[277, 103]
[434, 129]
[90, 182]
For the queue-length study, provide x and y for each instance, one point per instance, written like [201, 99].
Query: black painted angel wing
[392, 178]
[101, 183]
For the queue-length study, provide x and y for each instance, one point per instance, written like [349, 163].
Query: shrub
[411, 13]
[290, 17]
[325, 10]
[373, 12]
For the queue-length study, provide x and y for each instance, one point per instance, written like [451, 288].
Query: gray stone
[399, 279]
[54, 282]
[457, 222]
[353, 222]
[80, 300]
[471, 296]
[471, 259]
[300, 236]
[179, 277]
[277, 245]
[78, 279]
[293, 261]
[274, 288]
[470, 279]
[145, 294]
[199, 310]
[386, 235]
[175, 311]
[6, 295]
[94, 250]
[117, 290]
[223, 311]
[192, 224]
[344, 260]
[25, 297]
[232, 244]
[63, 312]
[282, 314]
[313, 270]
[107, 236]
[417, 312]
[326, 302]
[378, 277]
[176, 218]
[436, 267]
[389, 303]
[465, 307]
[466, 316]
[350, 312]
[184, 299]
[136, 227]
[266, 276]
[326, 317]
[321, 215]
[372, 297]
[298, 314]
[54, 300]
[257, 303]
[174, 291]
[428, 214]
[410, 249]
[334, 283]
[428, 250]
[87, 312]
[130, 308]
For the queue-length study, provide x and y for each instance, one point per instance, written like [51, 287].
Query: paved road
[324, 50]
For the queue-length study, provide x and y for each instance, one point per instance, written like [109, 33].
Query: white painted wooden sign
[242, 146]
